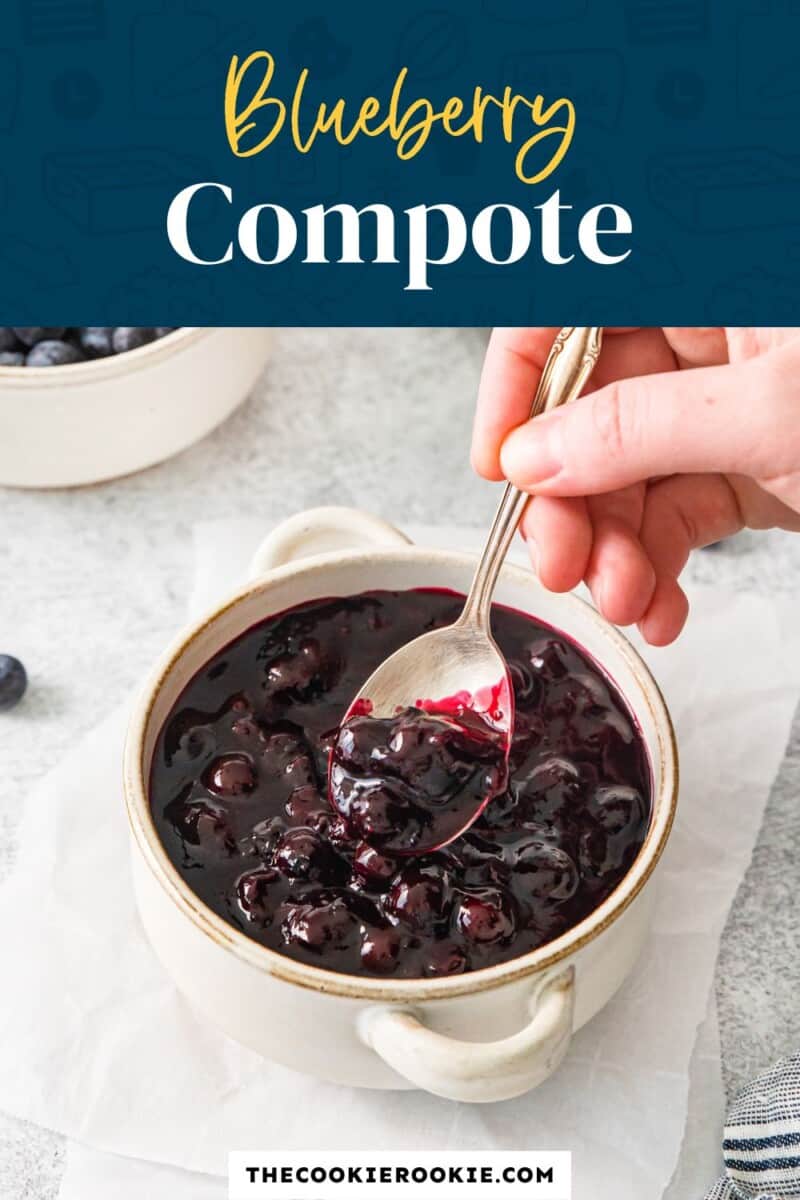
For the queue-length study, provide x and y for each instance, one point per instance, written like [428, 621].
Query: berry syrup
[239, 797]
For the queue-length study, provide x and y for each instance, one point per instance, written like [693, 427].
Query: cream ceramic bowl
[484, 1036]
[90, 421]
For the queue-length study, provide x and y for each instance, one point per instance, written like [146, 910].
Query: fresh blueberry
[162, 330]
[53, 353]
[8, 339]
[131, 337]
[11, 358]
[29, 335]
[13, 681]
[446, 958]
[95, 340]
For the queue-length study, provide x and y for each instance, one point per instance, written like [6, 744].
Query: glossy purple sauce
[239, 796]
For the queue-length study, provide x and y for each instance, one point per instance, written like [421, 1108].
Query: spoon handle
[569, 364]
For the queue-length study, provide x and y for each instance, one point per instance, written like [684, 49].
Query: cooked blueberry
[302, 854]
[202, 825]
[231, 775]
[13, 681]
[617, 808]
[545, 871]
[11, 358]
[53, 353]
[304, 674]
[372, 810]
[322, 920]
[245, 728]
[380, 949]
[414, 781]
[446, 958]
[303, 803]
[485, 916]
[254, 889]
[130, 337]
[29, 335]
[374, 868]
[419, 897]
[239, 795]
[548, 658]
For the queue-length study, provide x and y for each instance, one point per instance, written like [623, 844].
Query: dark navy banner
[186, 162]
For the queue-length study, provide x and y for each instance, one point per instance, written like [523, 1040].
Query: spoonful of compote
[424, 745]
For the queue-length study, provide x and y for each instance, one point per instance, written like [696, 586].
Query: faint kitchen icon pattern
[9, 89]
[33, 265]
[563, 11]
[183, 85]
[313, 45]
[767, 75]
[456, 157]
[757, 289]
[715, 191]
[681, 93]
[50, 21]
[115, 190]
[432, 45]
[657, 21]
[76, 94]
[593, 79]
[169, 292]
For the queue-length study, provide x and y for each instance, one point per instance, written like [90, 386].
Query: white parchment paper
[95, 1041]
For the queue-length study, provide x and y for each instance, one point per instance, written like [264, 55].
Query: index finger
[511, 372]
[512, 368]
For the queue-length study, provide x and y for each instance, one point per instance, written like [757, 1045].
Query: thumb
[706, 419]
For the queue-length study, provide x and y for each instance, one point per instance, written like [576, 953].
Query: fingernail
[531, 454]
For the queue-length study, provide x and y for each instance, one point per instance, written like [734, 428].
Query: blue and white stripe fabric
[762, 1138]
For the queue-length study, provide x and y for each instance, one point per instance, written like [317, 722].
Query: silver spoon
[458, 673]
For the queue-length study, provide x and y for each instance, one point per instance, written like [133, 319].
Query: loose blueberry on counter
[13, 681]
[239, 798]
[12, 358]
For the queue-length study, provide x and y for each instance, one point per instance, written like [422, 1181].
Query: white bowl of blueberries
[83, 404]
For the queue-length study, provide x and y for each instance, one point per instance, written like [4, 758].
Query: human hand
[684, 436]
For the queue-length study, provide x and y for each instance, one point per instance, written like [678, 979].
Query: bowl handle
[477, 1072]
[320, 531]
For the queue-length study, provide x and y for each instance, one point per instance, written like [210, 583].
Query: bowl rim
[370, 988]
[92, 369]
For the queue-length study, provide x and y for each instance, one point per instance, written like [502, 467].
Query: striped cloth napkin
[762, 1138]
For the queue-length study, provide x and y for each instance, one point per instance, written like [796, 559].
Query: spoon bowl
[424, 745]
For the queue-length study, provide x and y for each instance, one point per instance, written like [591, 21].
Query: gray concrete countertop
[93, 581]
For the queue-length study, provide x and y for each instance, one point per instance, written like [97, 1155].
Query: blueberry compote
[239, 797]
[414, 781]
